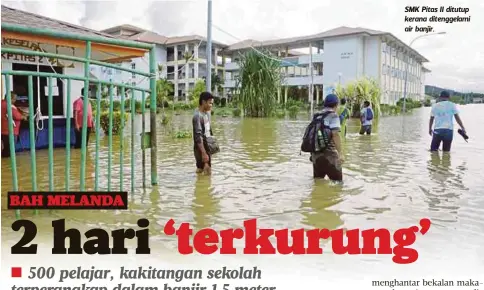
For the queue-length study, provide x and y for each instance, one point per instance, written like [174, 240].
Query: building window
[133, 66]
[40, 88]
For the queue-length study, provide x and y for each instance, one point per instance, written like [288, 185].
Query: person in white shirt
[442, 120]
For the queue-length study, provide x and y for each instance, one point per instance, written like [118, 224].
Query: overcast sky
[456, 58]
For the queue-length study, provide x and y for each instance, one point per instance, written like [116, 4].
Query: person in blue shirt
[366, 118]
[442, 120]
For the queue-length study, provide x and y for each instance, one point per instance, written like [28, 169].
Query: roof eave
[395, 39]
[168, 43]
[298, 43]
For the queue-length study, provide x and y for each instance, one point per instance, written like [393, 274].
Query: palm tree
[160, 70]
[187, 56]
[356, 92]
[259, 80]
[164, 89]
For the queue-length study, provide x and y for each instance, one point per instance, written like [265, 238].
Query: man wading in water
[329, 162]
[202, 130]
[443, 114]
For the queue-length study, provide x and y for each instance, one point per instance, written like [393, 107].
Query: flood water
[390, 180]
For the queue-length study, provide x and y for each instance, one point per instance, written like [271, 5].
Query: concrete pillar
[215, 61]
[317, 94]
[175, 77]
[310, 89]
[280, 70]
[195, 57]
[286, 89]
[223, 76]
[186, 70]
[186, 67]
[287, 68]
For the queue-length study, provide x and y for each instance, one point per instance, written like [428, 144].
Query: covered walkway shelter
[46, 63]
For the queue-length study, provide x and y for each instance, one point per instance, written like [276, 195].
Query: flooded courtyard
[390, 180]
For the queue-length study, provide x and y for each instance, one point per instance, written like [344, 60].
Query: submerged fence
[87, 61]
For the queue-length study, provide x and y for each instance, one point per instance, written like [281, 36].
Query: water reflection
[24, 170]
[205, 206]
[316, 208]
[439, 168]
[448, 183]
[259, 139]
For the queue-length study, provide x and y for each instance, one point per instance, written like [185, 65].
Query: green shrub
[389, 110]
[104, 105]
[409, 104]
[137, 106]
[281, 114]
[116, 106]
[117, 126]
[221, 112]
[428, 102]
[292, 102]
[293, 111]
[93, 104]
[182, 134]
[180, 106]
[127, 105]
[236, 112]
[165, 119]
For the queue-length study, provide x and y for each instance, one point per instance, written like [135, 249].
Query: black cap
[444, 94]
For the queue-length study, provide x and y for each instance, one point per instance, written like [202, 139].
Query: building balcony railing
[232, 66]
[286, 81]
[303, 60]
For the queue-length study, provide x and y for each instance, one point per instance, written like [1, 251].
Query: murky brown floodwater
[390, 180]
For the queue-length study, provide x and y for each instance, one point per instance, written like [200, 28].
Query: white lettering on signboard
[28, 45]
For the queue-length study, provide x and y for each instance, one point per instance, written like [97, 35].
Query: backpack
[313, 142]
[369, 114]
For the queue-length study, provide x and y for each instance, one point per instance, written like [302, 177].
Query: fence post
[68, 136]
[84, 115]
[98, 121]
[143, 109]
[154, 173]
[33, 161]
[110, 135]
[50, 104]
[133, 108]
[11, 139]
[121, 142]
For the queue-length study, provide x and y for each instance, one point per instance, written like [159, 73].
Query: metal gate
[149, 138]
